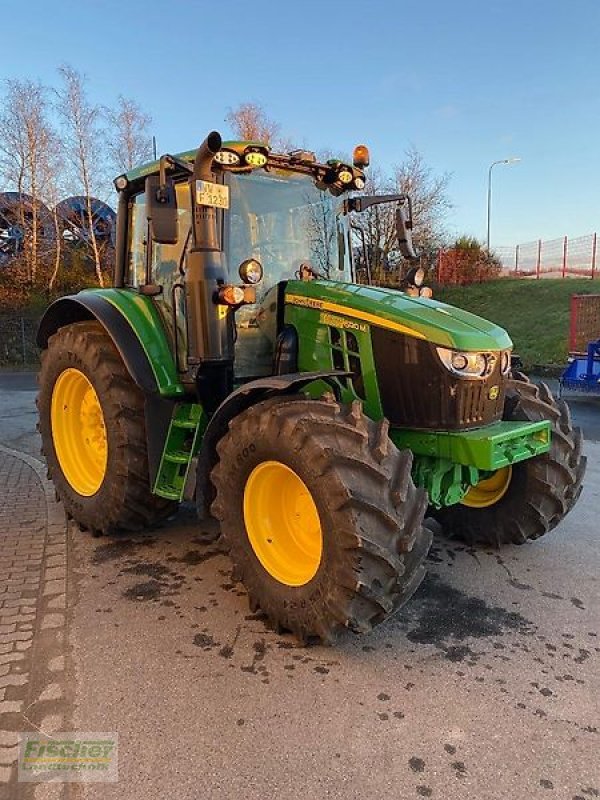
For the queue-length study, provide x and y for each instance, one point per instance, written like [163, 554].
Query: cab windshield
[284, 221]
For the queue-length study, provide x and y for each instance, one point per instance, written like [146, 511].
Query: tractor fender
[96, 305]
[247, 395]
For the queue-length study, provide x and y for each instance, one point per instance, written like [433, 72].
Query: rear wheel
[320, 514]
[91, 419]
[523, 502]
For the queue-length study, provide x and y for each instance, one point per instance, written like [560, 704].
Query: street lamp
[489, 194]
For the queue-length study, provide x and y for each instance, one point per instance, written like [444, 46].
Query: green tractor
[236, 362]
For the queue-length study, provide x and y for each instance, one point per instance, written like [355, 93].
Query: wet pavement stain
[193, 557]
[524, 587]
[118, 548]
[552, 595]
[149, 590]
[440, 612]
[205, 641]
[151, 569]
[434, 556]
[260, 650]
[416, 764]
[459, 653]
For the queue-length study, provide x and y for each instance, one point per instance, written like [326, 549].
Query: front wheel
[522, 502]
[320, 514]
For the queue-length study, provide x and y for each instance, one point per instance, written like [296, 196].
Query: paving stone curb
[33, 603]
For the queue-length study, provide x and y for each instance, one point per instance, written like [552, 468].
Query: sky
[466, 82]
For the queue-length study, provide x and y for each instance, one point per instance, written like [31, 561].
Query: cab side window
[166, 258]
[136, 241]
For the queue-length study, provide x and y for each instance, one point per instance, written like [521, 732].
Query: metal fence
[17, 340]
[585, 321]
[556, 258]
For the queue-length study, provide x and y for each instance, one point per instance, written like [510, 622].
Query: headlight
[359, 183]
[251, 271]
[229, 158]
[467, 365]
[345, 176]
[505, 362]
[254, 158]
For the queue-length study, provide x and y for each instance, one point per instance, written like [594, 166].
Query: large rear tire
[524, 502]
[91, 420]
[320, 515]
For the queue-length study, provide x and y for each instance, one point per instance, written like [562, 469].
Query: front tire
[539, 492]
[91, 420]
[320, 515]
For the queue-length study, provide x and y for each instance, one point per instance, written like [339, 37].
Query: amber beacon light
[360, 156]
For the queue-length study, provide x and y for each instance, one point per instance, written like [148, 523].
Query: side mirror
[404, 224]
[161, 210]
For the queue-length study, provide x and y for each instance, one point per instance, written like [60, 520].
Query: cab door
[167, 267]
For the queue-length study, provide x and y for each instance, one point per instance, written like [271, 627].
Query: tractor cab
[269, 218]
[276, 219]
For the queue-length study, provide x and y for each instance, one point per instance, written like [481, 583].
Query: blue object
[583, 372]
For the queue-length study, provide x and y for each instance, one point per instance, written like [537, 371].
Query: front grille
[417, 391]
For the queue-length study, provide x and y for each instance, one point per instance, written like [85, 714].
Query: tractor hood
[421, 317]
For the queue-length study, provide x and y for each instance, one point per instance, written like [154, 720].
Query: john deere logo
[494, 392]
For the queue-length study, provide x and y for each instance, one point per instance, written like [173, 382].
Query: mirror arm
[364, 201]
[171, 162]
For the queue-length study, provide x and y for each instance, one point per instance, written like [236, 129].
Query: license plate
[212, 194]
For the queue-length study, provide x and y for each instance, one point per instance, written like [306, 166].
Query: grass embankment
[536, 313]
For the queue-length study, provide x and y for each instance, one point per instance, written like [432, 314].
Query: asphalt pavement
[485, 686]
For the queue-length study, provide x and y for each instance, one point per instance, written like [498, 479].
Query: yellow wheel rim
[490, 490]
[78, 432]
[282, 523]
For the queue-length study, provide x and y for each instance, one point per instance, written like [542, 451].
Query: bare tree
[321, 228]
[27, 140]
[429, 195]
[13, 153]
[83, 139]
[249, 121]
[129, 140]
[376, 227]
[54, 190]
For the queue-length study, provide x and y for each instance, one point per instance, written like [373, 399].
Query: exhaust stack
[209, 330]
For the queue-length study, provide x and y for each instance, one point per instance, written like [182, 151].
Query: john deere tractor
[236, 362]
